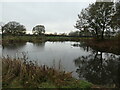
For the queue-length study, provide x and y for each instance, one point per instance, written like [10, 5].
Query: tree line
[99, 19]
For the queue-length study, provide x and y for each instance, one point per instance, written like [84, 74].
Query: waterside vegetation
[20, 73]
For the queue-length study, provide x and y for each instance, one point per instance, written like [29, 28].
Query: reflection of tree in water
[99, 68]
[13, 46]
[40, 44]
[82, 45]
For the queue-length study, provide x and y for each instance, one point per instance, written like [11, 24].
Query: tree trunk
[102, 36]
[96, 33]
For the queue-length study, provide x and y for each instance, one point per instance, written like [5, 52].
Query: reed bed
[20, 73]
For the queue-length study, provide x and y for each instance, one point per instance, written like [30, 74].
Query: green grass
[19, 73]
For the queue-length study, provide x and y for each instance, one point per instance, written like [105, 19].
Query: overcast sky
[55, 16]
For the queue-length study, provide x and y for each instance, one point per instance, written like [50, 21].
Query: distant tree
[76, 33]
[38, 30]
[96, 18]
[13, 28]
[63, 34]
[55, 33]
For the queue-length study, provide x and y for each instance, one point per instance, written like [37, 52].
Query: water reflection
[99, 68]
[16, 49]
[14, 46]
[41, 44]
[83, 46]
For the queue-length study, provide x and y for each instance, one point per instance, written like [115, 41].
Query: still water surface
[97, 67]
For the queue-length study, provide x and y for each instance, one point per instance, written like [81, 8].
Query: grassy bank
[19, 73]
[108, 45]
[15, 39]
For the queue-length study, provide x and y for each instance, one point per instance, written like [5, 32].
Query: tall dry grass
[22, 73]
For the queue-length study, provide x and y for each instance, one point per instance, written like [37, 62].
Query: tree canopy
[116, 17]
[97, 18]
[76, 33]
[38, 30]
[13, 28]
